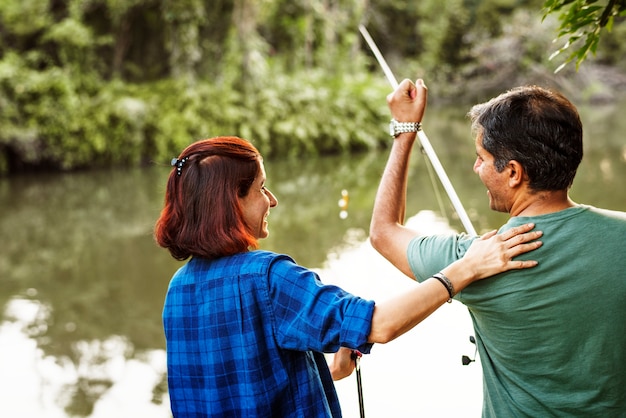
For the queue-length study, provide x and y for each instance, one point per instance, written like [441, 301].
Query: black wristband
[447, 284]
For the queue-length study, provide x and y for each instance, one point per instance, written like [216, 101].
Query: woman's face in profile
[256, 205]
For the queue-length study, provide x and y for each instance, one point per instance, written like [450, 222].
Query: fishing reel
[465, 359]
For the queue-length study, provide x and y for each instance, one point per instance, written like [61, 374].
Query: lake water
[82, 282]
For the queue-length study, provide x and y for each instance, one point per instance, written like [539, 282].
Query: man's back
[552, 339]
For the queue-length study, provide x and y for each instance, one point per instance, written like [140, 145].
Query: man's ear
[517, 174]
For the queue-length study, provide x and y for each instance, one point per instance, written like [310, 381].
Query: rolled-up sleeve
[310, 315]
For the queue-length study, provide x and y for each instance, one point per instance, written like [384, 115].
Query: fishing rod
[426, 146]
[356, 356]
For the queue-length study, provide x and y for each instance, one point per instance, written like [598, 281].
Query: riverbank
[307, 114]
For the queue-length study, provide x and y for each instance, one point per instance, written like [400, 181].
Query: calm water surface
[82, 282]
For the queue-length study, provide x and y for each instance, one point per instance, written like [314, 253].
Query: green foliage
[46, 122]
[24, 17]
[184, 19]
[310, 114]
[73, 41]
[89, 83]
[442, 28]
[612, 48]
[581, 23]
[302, 114]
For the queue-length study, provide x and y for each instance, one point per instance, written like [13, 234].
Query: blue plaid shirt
[245, 336]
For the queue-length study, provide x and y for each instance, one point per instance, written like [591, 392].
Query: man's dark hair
[536, 127]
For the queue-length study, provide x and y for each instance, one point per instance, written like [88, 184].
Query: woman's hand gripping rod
[430, 152]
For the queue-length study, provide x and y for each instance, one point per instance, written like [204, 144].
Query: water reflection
[82, 282]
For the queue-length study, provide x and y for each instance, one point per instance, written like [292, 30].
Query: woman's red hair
[202, 216]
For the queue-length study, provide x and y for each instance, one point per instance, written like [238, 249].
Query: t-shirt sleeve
[428, 255]
[310, 315]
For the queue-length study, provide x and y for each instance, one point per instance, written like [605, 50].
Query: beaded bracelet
[447, 283]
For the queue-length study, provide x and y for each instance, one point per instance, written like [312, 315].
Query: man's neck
[541, 203]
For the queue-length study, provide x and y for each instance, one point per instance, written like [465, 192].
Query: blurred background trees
[99, 83]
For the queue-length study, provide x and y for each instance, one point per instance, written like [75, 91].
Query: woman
[246, 329]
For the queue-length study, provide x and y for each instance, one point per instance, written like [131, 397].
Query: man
[552, 339]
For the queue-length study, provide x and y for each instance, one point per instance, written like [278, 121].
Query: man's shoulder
[608, 213]
[570, 216]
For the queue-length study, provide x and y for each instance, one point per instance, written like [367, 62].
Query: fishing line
[431, 176]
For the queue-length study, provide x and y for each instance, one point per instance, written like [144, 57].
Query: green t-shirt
[551, 339]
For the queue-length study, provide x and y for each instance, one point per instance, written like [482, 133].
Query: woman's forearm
[398, 315]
